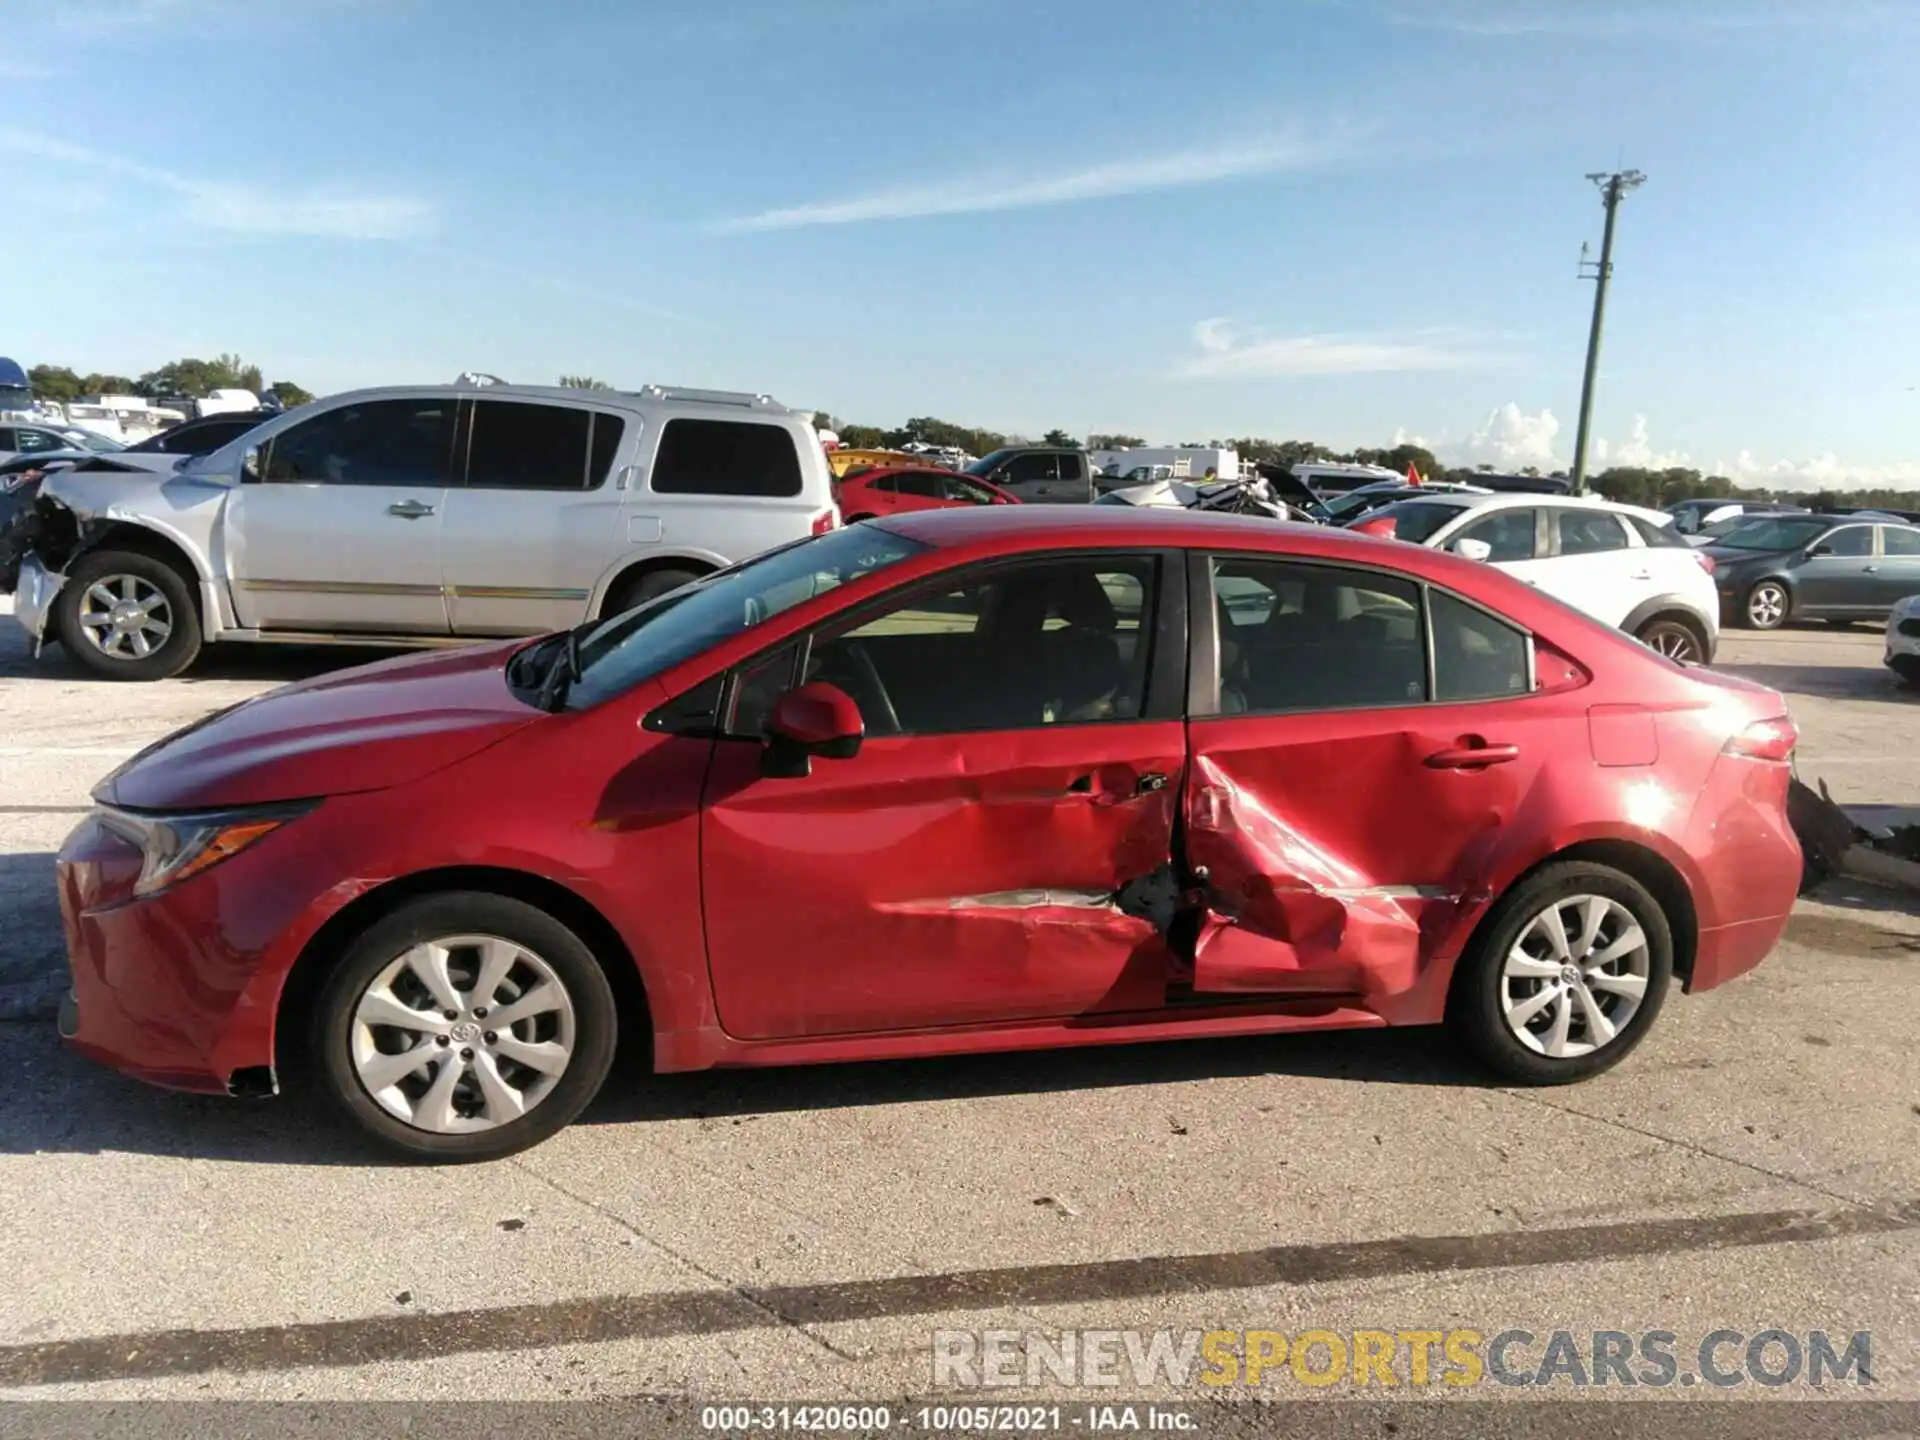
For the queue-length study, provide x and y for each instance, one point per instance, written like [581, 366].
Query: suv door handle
[410, 510]
[1472, 757]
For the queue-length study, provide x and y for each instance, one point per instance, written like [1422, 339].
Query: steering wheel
[868, 690]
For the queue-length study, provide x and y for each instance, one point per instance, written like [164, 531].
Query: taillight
[826, 520]
[1706, 561]
[1383, 527]
[1772, 739]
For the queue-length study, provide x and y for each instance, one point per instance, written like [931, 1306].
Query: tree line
[188, 377]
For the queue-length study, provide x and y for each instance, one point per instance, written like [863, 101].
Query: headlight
[175, 847]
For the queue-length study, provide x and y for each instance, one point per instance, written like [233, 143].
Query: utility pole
[1612, 187]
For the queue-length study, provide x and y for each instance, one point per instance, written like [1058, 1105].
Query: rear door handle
[410, 510]
[1472, 757]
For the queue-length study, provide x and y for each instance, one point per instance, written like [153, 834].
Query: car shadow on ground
[267, 664]
[60, 1102]
[1830, 682]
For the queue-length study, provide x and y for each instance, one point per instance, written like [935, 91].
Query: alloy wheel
[126, 617]
[1674, 641]
[1767, 606]
[1575, 976]
[462, 1034]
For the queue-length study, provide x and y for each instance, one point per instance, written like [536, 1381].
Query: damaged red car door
[1021, 765]
[1359, 748]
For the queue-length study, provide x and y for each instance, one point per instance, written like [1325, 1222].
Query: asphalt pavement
[804, 1234]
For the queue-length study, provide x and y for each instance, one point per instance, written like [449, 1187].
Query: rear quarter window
[726, 457]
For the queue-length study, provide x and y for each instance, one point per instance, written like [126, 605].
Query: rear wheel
[1567, 976]
[464, 1026]
[1767, 607]
[631, 594]
[1674, 639]
[127, 616]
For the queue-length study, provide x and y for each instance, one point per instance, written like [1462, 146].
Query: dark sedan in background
[1837, 568]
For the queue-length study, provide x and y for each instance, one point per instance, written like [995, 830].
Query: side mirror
[817, 719]
[1814, 552]
[1478, 550]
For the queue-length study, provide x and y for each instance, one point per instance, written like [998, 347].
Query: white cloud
[1226, 352]
[1822, 472]
[1637, 450]
[980, 194]
[1511, 439]
[242, 209]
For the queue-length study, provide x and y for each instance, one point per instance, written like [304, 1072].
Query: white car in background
[1618, 563]
[1903, 640]
[428, 515]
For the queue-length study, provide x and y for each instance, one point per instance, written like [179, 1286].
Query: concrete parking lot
[1755, 1166]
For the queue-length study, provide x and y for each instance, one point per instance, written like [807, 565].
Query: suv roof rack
[746, 399]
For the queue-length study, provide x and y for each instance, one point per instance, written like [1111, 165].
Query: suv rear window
[726, 457]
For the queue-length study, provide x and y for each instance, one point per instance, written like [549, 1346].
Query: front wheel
[1768, 606]
[464, 1026]
[127, 616]
[1566, 977]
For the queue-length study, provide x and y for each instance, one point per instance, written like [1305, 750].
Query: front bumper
[33, 597]
[1903, 641]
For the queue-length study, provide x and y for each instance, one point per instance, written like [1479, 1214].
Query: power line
[1612, 186]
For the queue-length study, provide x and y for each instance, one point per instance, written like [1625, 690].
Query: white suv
[423, 515]
[1618, 563]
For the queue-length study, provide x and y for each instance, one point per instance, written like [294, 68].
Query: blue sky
[1343, 220]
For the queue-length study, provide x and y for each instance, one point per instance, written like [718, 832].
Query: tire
[1675, 639]
[1483, 990]
[630, 594]
[493, 1103]
[168, 627]
[1767, 606]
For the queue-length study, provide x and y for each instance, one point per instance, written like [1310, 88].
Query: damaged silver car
[424, 516]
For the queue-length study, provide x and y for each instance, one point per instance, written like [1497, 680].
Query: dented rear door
[1346, 788]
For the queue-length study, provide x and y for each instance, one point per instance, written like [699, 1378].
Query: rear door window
[529, 447]
[1476, 656]
[726, 457]
[1587, 532]
[1315, 637]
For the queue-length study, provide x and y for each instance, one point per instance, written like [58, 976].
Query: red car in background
[975, 780]
[870, 493]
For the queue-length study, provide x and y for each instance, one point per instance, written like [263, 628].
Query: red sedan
[963, 781]
[870, 493]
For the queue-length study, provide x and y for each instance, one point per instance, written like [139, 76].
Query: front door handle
[1149, 783]
[410, 510]
[1872, 570]
[1472, 757]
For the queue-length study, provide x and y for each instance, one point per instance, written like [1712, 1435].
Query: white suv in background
[424, 515]
[1618, 563]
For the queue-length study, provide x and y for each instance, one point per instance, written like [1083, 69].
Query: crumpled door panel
[1331, 857]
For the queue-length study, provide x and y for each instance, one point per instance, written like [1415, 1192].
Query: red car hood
[361, 729]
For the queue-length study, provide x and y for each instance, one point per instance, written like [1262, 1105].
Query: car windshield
[620, 652]
[986, 464]
[1776, 533]
[87, 440]
[1352, 503]
[1417, 521]
[1726, 526]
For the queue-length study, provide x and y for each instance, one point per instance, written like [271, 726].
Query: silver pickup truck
[418, 516]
